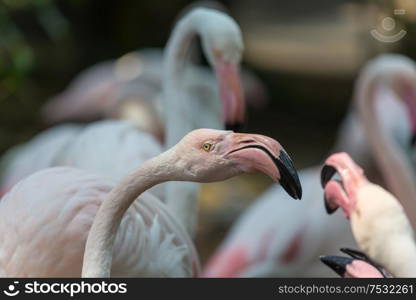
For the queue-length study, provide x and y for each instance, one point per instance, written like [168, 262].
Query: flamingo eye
[207, 146]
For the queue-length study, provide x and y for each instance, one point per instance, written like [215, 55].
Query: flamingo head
[358, 265]
[208, 155]
[223, 45]
[341, 193]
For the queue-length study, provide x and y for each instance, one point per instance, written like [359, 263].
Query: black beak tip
[326, 174]
[236, 127]
[337, 263]
[289, 179]
[328, 208]
[354, 253]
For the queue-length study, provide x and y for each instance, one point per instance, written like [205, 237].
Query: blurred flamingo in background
[125, 88]
[378, 220]
[115, 147]
[266, 241]
[130, 88]
[40, 152]
[222, 44]
[108, 147]
[149, 241]
[392, 158]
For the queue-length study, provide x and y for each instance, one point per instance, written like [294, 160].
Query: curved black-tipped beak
[330, 210]
[326, 174]
[362, 256]
[289, 179]
[337, 263]
[236, 127]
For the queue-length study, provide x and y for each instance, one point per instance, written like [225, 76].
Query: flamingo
[392, 159]
[130, 88]
[60, 204]
[40, 152]
[112, 148]
[222, 43]
[126, 88]
[358, 265]
[378, 219]
[109, 147]
[284, 246]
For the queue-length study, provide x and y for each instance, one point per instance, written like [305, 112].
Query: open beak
[355, 267]
[361, 256]
[337, 263]
[231, 94]
[341, 192]
[355, 254]
[326, 175]
[254, 152]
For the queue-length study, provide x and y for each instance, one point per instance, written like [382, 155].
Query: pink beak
[341, 192]
[231, 94]
[254, 152]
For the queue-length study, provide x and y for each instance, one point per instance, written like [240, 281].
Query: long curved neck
[402, 257]
[397, 252]
[101, 238]
[389, 156]
[176, 59]
[180, 196]
[351, 139]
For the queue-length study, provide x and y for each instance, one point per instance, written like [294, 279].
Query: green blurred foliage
[17, 56]
[45, 43]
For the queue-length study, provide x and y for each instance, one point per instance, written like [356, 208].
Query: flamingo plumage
[222, 42]
[60, 204]
[283, 246]
[378, 220]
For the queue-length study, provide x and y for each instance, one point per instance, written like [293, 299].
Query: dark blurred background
[307, 53]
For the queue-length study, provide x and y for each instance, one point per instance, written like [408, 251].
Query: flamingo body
[58, 216]
[40, 152]
[272, 242]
